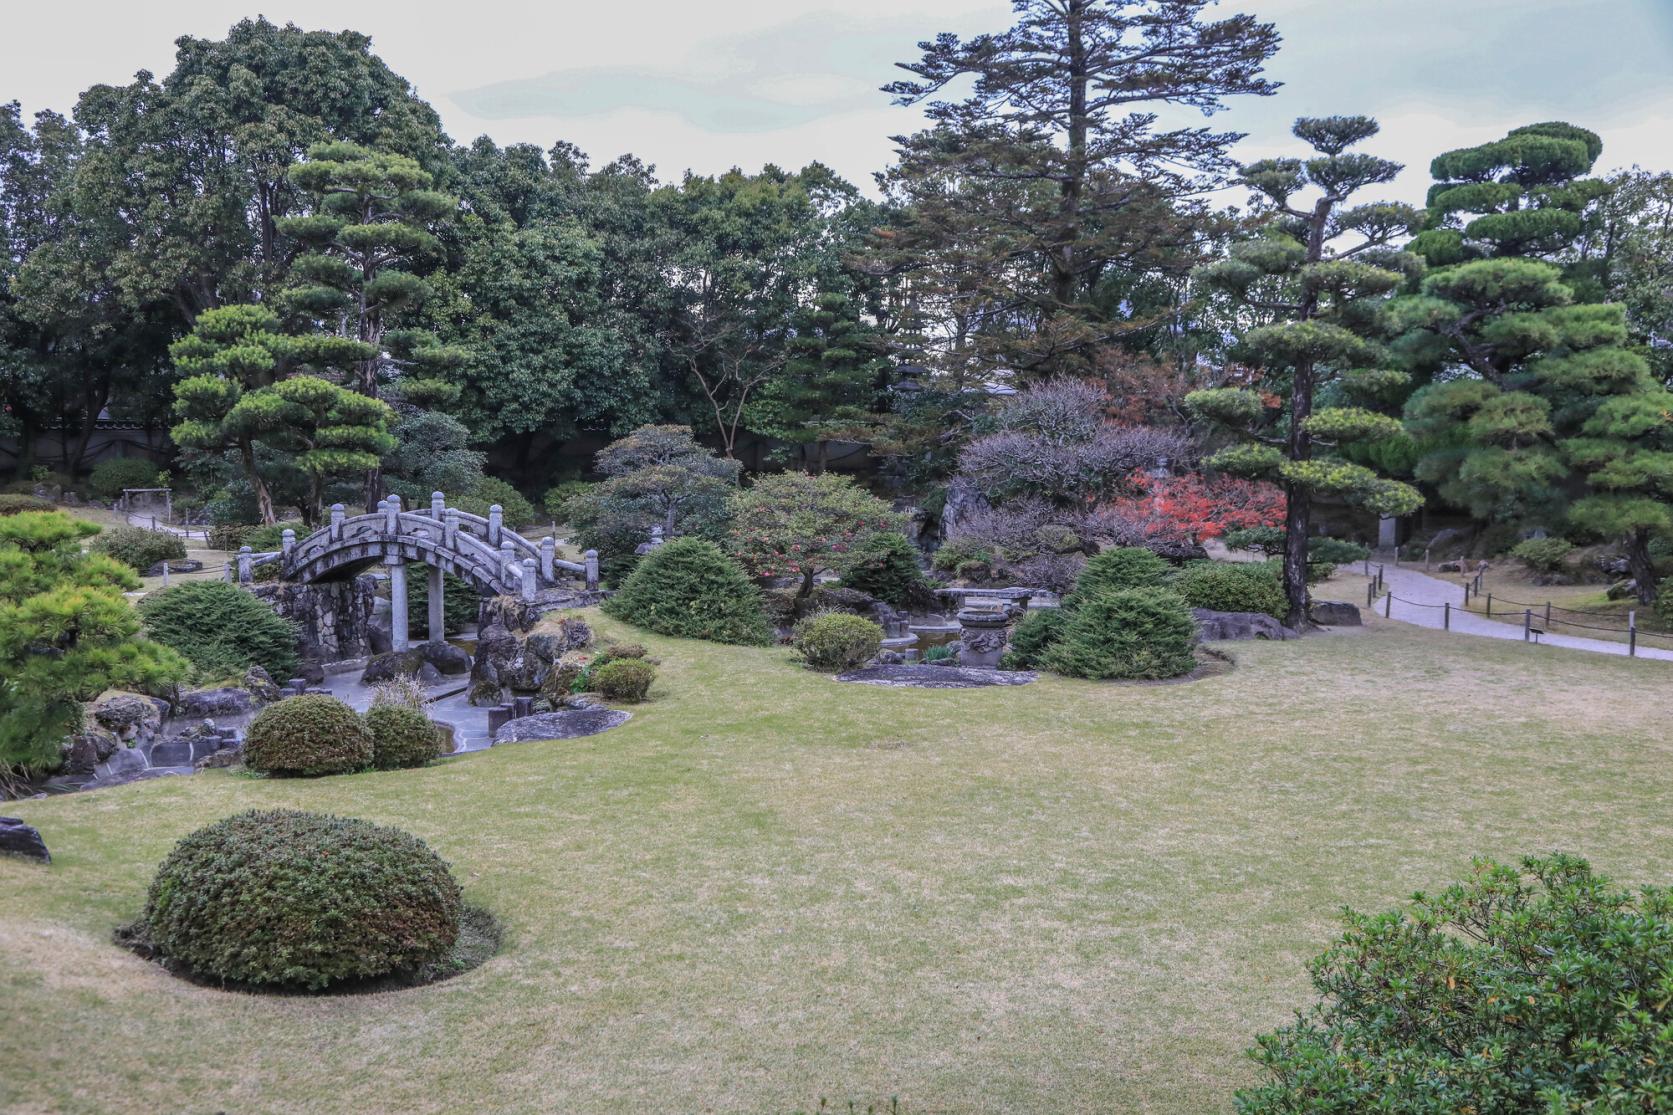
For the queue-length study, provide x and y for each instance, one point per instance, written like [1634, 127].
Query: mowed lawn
[771, 889]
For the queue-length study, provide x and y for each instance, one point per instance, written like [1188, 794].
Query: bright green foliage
[291, 899]
[837, 640]
[1556, 415]
[139, 549]
[1543, 555]
[1540, 989]
[623, 679]
[1033, 636]
[402, 736]
[1321, 274]
[887, 567]
[113, 474]
[1126, 633]
[1124, 567]
[66, 635]
[795, 524]
[1225, 586]
[307, 736]
[690, 588]
[222, 629]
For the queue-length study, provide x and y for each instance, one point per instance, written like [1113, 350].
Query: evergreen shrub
[690, 589]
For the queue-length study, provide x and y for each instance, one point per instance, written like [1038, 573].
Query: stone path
[1412, 589]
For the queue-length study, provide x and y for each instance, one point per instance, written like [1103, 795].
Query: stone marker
[19, 839]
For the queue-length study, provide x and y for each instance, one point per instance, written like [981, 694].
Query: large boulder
[260, 685]
[19, 839]
[85, 750]
[1334, 613]
[496, 651]
[395, 664]
[226, 701]
[445, 657]
[1217, 627]
[132, 717]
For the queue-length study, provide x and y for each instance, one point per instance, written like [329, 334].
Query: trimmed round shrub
[1035, 634]
[13, 504]
[138, 548]
[222, 629]
[1126, 633]
[402, 736]
[1225, 586]
[1539, 989]
[307, 736]
[111, 475]
[625, 679]
[291, 899]
[956, 552]
[1543, 555]
[886, 567]
[689, 588]
[837, 640]
[1121, 568]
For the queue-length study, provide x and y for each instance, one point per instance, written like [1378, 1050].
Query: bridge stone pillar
[244, 565]
[399, 638]
[438, 506]
[529, 585]
[496, 516]
[548, 554]
[450, 528]
[287, 543]
[435, 605]
[591, 558]
[508, 552]
[392, 510]
[337, 516]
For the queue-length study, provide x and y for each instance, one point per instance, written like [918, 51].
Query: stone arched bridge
[484, 552]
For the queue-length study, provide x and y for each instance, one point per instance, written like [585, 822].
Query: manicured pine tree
[1537, 408]
[1316, 280]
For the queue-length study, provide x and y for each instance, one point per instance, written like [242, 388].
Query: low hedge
[1126, 633]
[138, 548]
[221, 628]
[307, 736]
[837, 640]
[402, 736]
[292, 899]
[1543, 555]
[1224, 586]
[624, 679]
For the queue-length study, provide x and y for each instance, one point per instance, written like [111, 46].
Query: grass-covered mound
[221, 628]
[291, 899]
[306, 736]
[691, 589]
[402, 736]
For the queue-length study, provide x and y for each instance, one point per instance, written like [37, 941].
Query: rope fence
[1537, 619]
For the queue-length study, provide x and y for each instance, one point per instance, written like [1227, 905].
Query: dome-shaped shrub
[1223, 586]
[1121, 568]
[625, 679]
[837, 640]
[138, 548]
[308, 735]
[1129, 633]
[221, 628]
[402, 736]
[690, 589]
[1034, 635]
[301, 899]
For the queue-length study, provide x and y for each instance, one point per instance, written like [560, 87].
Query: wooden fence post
[1527, 624]
[1446, 615]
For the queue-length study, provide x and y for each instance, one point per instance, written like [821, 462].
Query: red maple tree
[1194, 507]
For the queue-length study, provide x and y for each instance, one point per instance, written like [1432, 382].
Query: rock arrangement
[564, 724]
[937, 677]
[19, 839]
[1228, 626]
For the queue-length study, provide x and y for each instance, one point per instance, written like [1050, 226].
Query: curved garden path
[1412, 588]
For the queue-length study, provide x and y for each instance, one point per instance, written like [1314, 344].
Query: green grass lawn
[769, 888]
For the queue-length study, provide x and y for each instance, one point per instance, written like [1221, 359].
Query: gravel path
[1411, 589]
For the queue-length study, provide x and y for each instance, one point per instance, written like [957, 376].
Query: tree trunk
[1643, 569]
[264, 498]
[1063, 260]
[1298, 514]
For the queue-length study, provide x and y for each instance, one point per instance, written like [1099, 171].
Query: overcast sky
[716, 83]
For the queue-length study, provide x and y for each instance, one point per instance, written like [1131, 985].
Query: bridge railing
[517, 558]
